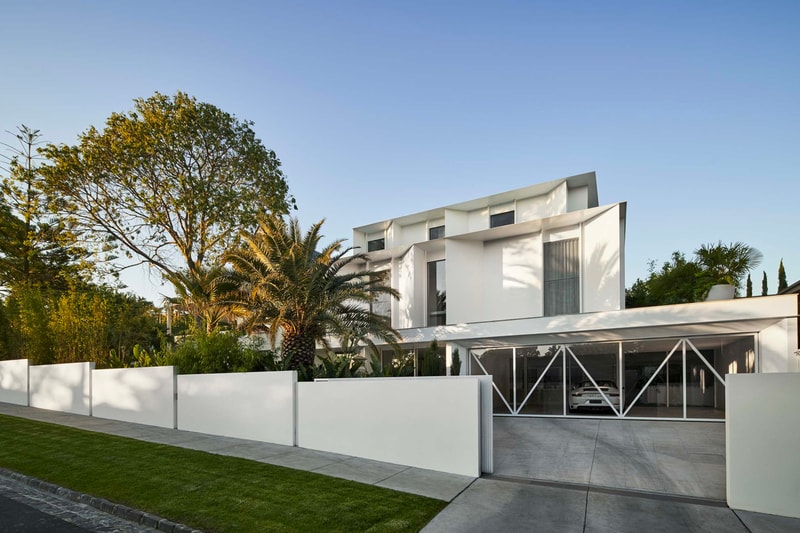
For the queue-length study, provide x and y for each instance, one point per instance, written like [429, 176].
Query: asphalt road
[17, 516]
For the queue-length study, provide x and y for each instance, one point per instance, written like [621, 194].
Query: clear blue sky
[689, 111]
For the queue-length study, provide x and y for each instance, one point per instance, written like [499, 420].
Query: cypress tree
[764, 285]
[749, 286]
[782, 277]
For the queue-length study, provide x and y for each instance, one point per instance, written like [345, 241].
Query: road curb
[101, 504]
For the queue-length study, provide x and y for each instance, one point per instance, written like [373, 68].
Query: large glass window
[501, 219]
[437, 294]
[436, 232]
[561, 278]
[540, 380]
[376, 244]
[499, 364]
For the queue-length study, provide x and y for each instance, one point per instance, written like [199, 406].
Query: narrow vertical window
[437, 295]
[561, 278]
[436, 232]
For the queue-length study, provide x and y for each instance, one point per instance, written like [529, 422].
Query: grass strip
[203, 490]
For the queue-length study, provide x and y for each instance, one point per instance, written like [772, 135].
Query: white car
[587, 396]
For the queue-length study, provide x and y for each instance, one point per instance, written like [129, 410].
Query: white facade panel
[464, 267]
[253, 405]
[412, 233]
[140, 395]
[603, 286]
[512, 278]
[762, 429]
[443, 434]
[478, 220]
[66, 387]
[14, 381]
[777, 345]
[577, 199]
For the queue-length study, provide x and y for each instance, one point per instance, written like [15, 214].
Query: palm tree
[284, 283]
[198, 294]
[727, 263]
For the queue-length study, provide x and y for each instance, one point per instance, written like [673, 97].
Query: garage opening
[672, 378]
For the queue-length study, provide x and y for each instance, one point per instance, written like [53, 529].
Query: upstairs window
[376, 244]
[437, 294]
[501, 219]
[561, 278]
[436, 232]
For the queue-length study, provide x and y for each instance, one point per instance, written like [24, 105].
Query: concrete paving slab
[428, 483]
[489, 505]
[362, 470]
[768, 523]
[253, 451]
[302, 459]
[633, 514]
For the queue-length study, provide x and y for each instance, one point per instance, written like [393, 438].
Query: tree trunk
[299, 349]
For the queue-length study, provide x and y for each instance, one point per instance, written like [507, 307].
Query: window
[376, 244]
[561, 278]
[437, 296]
[501, 219]
[436, 232]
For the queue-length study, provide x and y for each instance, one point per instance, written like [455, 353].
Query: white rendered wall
[478, 220]
[512, 278]
[463, 266]
[431, 423]
[412, 233]
[140, 395]
[602, 283]
[577, 199]
[777, 344]
[14, 381]
[543, 206]
[455, 222]
[253, 405]
[762, 429]
[410, 302]
[66, 387]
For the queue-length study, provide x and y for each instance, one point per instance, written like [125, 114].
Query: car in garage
[587, 396]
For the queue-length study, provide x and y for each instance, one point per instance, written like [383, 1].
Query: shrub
[219, 352]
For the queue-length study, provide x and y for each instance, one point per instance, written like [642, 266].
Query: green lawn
[202, 490]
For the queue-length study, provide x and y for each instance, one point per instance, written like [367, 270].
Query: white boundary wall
[254, 405]
[762, 432]
[65, 387]
[431, 423]
[141, 395]
[14, 381]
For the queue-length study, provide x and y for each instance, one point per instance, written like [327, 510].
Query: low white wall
[762, 432]
[66, 387]
[141, 395]
[14, 381]
[254, 405]
[431, 423]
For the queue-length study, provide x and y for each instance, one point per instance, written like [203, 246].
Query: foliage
[218, 351]
[782, 284]
[206, 491]
[286, 282]
[333, 366]
[727, 263]
[455, 364]
[764, 288]
[171, 183]
[401, 366]
[431, 361]
[681, 281]
[198, 296]
[140, 358]
[749, 287]
[83, 323]
[37, 247]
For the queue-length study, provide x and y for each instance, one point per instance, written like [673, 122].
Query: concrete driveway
[603, 475]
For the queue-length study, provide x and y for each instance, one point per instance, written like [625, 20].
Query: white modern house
[528, 285]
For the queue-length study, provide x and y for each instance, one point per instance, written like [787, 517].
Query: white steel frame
[624, 410]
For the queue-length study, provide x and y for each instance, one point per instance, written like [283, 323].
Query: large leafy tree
[170, 183]
[287, 283]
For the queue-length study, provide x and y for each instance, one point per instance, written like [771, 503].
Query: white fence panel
[141, 395]
[431, 423]
[254, 405]
[762, 429]
[14, 381]
[66, 387]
